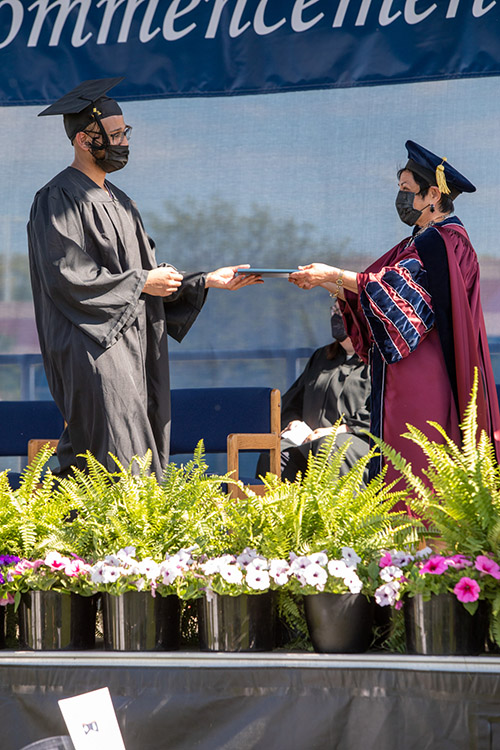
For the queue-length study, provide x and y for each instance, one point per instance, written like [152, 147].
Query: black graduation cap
[437, 171]
[84, 104]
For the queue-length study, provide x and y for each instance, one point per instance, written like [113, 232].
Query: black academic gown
[326, 390]
[103, 342]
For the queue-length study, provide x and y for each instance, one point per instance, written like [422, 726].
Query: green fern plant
[459, 498]
[130, 506]
[327, 510]
[32, 517]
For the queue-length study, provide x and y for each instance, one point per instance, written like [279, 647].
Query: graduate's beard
[114, 158]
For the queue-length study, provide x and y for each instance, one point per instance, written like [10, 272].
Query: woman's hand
[227, 278]
[315, 274]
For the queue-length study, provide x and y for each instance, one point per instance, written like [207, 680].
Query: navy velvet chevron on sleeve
[398, 308]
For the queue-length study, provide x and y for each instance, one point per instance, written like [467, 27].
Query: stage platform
[271, 701]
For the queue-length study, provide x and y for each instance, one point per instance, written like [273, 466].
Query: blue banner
[220, 47]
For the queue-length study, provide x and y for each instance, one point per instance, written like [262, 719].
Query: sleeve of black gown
[356, 401]
[99, 302]
[183, 307]
[292, 402]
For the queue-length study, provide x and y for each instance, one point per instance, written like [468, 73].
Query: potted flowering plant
[459, 501]
[54, 595]
[314, 539]
[140, 599]
[445, 598]
[51, 595]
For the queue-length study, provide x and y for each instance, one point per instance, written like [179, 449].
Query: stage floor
[282, 700]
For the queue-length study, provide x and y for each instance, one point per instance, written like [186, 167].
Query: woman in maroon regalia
[415, 314]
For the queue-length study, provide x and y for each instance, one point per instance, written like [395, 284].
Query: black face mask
[115, 157]
[338, 328]
[404, 207]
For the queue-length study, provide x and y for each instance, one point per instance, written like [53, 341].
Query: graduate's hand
[226, 278]
[162, 282]
[314, 274]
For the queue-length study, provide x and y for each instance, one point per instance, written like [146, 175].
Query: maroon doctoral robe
[418, 320]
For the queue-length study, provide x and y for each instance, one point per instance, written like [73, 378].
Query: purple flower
[467, 590]
[8, 559]
[487, 566]
[435, 565]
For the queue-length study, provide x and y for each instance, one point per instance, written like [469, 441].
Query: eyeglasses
[116, 138]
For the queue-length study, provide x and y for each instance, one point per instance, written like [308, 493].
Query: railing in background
[22, 376]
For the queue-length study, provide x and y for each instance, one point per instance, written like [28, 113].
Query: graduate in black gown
[103, 306]
[335, 383]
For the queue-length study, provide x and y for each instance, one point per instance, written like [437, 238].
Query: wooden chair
[228, 420]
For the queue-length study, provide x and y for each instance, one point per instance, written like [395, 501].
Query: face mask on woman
[404, 207]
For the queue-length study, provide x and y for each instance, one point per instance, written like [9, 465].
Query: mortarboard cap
[437, 171]
[84, 104]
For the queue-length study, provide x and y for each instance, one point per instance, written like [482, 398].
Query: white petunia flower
[183, 558]
[337, 568]
[315, 575]
[321, 558]
[401, 558]
[231, 573]
[299, 563]
[110, 574]
[279, 571]
[247, 556]
[96, 573]
[350, 557]
[114, 560]
[149, 568]
[126, 553]
[390, 573]
[425, 552]
[353, 582]
[259, 563]
[386, 595]
[169, 571]
[257, 579]
[140, 584]
[212, 566]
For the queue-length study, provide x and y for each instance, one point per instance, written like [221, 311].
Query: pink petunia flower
[459, 562]
[385, 560]
[487, 566]
[467, 590]
[435, 565]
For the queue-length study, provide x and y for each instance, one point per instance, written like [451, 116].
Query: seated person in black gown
[335, 383]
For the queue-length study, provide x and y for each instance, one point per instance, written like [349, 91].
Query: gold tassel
[441, 179]
[95, 112]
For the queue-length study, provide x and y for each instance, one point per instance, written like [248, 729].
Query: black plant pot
[339, 623]
[137, 621]
[237, 623]
[50, 620]
[442, 626]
